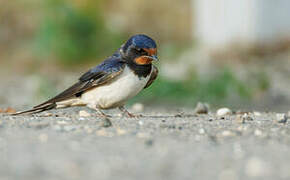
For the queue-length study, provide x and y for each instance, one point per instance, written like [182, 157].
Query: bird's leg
[101, 113]
[105, 118]
[127, 113]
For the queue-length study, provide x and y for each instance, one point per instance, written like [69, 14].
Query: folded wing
[99, 75]
[152, 77]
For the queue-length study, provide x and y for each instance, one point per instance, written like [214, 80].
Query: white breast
[124, 87]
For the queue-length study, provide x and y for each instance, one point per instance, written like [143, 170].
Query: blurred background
[220, 52]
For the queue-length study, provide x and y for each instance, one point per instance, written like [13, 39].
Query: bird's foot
[101, 114]
[128, 114]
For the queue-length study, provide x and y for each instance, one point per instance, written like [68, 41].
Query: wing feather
[97, 76]
[152, 77]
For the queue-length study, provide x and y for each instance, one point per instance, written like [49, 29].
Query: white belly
[124, 87]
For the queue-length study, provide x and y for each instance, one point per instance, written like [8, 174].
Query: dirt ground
[161, 145]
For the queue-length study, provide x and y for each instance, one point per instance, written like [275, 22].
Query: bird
[113, 82]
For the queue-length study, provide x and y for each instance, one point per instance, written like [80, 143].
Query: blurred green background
[46, 45]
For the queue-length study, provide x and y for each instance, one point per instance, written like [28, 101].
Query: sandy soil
[161, 145]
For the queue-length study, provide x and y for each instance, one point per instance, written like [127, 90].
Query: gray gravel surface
[63, 145]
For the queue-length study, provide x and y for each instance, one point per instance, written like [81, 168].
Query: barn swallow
[110, 84]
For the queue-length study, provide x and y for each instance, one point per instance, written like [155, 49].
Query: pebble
[62, 122]
[83, 113]
[43, 138]
[138, 107]
[121, 131]
[223, 112]
[227, 133]
[281, 118]
[201, 108]
[81, 119]
[247, 117]
[47, 114]
[258, 132]
[69, 128]
[106, 123]
[140, 122]
[257, 113]
[256, 167]
[243, 118]
[201, 131]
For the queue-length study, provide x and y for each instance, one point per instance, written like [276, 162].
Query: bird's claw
[130, 115]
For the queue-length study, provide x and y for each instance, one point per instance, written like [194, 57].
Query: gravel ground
[62, 145]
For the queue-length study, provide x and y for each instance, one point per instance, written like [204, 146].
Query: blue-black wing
[101, 74]
[153, 76]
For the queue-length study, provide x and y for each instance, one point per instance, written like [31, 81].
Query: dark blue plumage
[140, 41]
[110, 65]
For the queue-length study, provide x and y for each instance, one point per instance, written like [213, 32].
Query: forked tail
[42, 108]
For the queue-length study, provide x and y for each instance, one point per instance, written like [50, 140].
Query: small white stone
[258, 132]
[138, 107]
[227, 133]
[81, 119]
[256, 167]
[62, 122]
[83, 113]
[257, 113]
[201, 131]
[223, 112]
[140, 123]
[201, 108]
[120, 115]
[43, 138]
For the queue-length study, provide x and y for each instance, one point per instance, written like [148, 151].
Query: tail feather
[38, 109]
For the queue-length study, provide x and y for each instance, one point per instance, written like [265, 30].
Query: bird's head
[140, 49]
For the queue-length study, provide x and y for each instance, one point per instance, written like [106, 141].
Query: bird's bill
[154, 58]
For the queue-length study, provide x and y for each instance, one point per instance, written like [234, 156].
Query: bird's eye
[139, 49]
